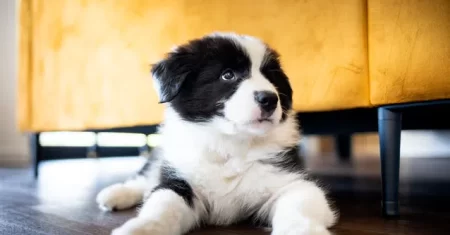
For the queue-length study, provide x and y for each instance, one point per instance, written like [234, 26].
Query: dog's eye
[228, 75]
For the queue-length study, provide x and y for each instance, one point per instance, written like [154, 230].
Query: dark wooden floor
[61, 201]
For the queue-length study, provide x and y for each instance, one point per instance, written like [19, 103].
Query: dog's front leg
[302, 209]
[164, 213]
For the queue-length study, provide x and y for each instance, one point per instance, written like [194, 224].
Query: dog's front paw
[309, 228]
[117, 197]
[138, 226]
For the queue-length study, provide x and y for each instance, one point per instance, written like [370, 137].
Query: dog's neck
[178, 133]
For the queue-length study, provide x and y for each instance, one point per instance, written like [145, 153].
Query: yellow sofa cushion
[409, 48]
[89, 60]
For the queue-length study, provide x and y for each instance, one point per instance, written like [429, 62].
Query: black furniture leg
[343, 145]
[389, 130]
[35, 150]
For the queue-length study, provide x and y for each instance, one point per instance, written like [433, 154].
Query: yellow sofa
[85, 64]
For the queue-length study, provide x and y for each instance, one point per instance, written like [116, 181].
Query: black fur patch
[149, 163]
[170, 180]
[271, 69]
[288, 160]
[145, 168]
[191, 76]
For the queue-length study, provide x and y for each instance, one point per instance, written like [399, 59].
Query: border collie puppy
[229, 146]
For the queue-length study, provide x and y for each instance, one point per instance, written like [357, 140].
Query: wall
[13, 145]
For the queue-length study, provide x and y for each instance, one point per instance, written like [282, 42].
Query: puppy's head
[232, 82]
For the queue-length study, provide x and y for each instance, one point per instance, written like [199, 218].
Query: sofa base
[343, 145]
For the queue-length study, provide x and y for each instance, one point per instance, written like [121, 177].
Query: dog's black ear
[170, 74]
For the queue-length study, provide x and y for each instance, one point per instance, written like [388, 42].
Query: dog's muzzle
[267, 101]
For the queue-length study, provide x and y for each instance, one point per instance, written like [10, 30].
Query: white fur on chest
[236, 190]
[226, 172]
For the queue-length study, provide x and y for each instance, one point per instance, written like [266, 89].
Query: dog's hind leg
[172, 208]
[165, 212]
[131, 192]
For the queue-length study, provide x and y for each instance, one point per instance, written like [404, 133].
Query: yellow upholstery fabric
[409, 50]
[85, 64]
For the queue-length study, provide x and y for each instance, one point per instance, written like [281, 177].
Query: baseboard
[414, 144]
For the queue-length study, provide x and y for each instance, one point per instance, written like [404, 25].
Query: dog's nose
[267, 100]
